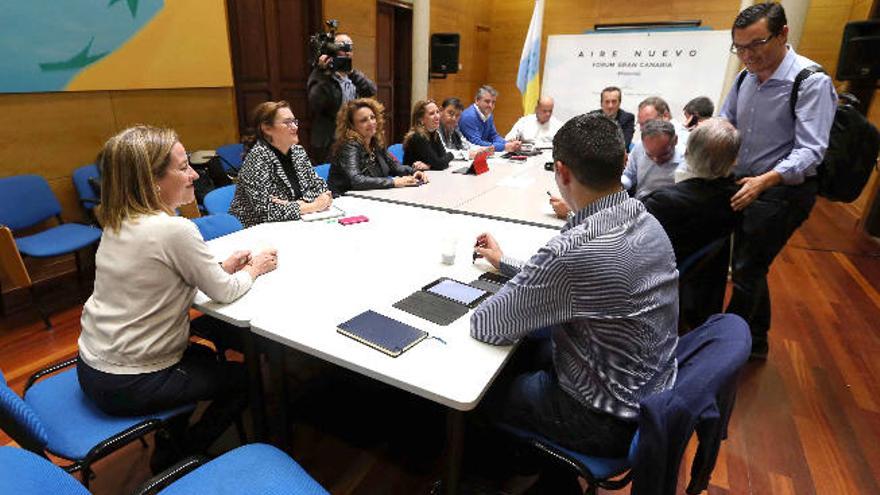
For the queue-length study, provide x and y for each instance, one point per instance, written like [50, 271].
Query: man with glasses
[653, 162]
[776, 165]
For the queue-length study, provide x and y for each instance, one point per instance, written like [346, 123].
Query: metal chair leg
[43, 315]
[242, 433]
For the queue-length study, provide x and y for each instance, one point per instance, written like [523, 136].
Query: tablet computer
[456, 291]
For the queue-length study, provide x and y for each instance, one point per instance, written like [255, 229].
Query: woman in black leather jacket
[360, 160]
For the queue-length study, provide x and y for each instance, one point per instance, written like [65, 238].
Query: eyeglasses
[753, 46]
[289, 122]
[664, 156]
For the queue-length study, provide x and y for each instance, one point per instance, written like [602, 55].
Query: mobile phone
[353, 220]
[494, 277]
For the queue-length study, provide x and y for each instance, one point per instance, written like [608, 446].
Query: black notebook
[382, 333]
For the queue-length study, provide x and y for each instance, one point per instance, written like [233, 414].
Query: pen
[548, 194]
[476, 255]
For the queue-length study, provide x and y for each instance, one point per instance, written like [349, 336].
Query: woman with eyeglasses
[422, 147]
[277, 181]
[360, 159]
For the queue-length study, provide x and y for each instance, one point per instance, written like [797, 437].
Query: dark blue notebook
[382, 333]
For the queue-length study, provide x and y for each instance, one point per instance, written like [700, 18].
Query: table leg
[255, 385]
[278, 421]
[454, 450]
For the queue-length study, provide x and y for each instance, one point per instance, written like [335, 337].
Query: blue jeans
[533, 400]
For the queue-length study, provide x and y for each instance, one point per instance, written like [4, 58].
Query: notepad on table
[331, 212]
[382, 333]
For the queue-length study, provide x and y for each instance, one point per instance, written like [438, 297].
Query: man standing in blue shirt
[478, 125]
[776, 166]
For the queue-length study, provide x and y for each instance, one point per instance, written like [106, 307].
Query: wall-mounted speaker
[444, 53]
[858, 51]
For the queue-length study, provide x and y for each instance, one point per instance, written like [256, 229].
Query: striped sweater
[608, 287]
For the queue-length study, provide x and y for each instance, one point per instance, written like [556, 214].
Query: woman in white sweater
[135, 354]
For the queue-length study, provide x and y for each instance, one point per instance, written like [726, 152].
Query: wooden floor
[806, 421]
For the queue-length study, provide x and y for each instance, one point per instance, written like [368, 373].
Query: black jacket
[325, 98]
[627, 122]
[694, 212]
[351, 169]
[427, 150]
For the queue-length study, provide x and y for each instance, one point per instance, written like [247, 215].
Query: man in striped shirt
[606, 288]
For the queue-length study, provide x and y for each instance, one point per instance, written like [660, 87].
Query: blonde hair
[420, 109]
[131, 162]
[345, 130]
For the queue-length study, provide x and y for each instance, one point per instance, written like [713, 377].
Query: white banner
[677, 66]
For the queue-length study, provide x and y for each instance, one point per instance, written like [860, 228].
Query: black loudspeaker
[444, 53]
[858, 51]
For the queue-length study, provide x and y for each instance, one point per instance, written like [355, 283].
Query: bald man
[537, 128]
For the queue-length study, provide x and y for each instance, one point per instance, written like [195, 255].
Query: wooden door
[270, 55]
[394, 66]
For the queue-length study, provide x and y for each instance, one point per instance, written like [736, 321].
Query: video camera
[324, 43]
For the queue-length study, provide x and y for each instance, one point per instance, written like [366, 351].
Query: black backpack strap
[740, 78]
[796, 87]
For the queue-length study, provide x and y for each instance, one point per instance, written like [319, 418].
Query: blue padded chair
[24, 473]
[88, 197]
[231, 156]
[258, 469]
[27, 201]
[214, 226]
[599, 472]
[218, 200]
[707, 251]
[323, 171]
[55, 416]
[702, 282]
[709, 360]
[396, 151]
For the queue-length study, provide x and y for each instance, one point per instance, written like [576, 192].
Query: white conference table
[522, 198]
[329, 273]
[513, 190]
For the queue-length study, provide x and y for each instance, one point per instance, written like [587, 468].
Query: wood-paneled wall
[358, 19]
[51, 134]
[821, 42]
[471, 20]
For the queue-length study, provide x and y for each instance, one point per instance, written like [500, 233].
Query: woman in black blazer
[360, 159]
[422, 148]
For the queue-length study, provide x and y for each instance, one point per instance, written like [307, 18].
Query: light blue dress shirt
[771, 138]
[646, 174]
